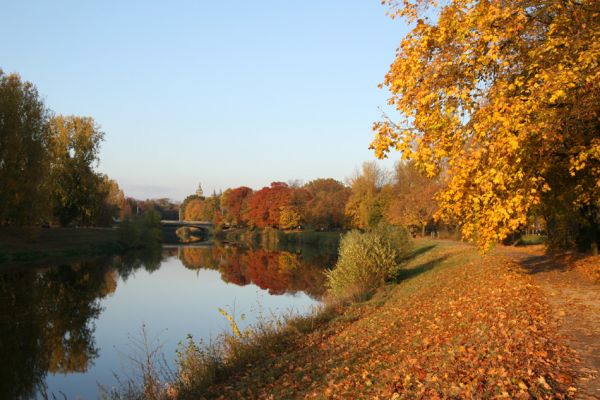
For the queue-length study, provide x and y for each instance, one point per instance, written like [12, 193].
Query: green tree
[23, 152]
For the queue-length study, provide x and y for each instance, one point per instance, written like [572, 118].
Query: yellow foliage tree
[289, 218]
[504, 95]
[193, 210]
[364, 207]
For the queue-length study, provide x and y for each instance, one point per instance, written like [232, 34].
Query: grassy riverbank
[20, 245]
[456, 324]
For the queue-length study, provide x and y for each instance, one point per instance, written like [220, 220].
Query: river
[65, 329]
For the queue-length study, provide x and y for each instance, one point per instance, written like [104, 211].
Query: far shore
[26, 246]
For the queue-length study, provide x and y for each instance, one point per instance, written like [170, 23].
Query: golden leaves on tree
[504, 97]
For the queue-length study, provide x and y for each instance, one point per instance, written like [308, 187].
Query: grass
[21, 245]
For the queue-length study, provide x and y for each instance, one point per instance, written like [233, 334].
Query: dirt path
[575, 302]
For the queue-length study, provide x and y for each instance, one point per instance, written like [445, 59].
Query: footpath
[574, 298]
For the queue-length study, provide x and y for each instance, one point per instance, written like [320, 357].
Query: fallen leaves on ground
[589, 267]
[462, 326]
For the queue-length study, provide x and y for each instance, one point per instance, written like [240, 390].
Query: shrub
[143, 231]
[200, 365]
[197, 368]
[367, 260]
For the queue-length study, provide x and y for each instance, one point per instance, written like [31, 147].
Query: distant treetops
[503, 98]
[372, 196]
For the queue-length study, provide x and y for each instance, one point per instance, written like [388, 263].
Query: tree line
[373, 195]
[47, 164]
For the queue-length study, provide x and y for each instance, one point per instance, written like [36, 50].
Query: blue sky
[226, 93]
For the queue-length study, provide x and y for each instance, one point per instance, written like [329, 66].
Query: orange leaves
[265, 207]
[235, 204]
[589, 267]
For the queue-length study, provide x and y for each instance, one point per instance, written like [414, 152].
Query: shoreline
[56, 245]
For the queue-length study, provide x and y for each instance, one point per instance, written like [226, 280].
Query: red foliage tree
[264, 208]
[234, 203]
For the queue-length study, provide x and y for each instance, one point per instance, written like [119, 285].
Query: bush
[198, 366]
[367, 260]
[140, 231]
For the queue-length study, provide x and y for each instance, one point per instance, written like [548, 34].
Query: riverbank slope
[457, 325]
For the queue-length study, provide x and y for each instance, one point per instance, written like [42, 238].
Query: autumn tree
[414, 204]
[506, 96]
[166, 208]
[264, 207]
[234, 203]
[212, 209]
[289, 218]
[23, 152]
[108, 201]
[364, 206]
[326, 209]
[293, 212]
[74, 146]
[193, 208]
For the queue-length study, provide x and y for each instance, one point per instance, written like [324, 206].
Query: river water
[65, 329]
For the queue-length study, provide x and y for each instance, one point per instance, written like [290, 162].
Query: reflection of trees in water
[276, 271]
[149, 259]
[201, 257]
[46, 319]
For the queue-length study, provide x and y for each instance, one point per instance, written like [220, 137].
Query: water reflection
[278, 272]
[47, 318]
[48, 315]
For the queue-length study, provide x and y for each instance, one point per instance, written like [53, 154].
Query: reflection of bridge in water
[169, 228]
